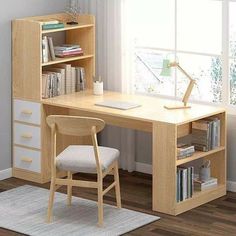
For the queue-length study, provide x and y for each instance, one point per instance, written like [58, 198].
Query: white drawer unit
[27, 159]
[29, 112]
[27, 135]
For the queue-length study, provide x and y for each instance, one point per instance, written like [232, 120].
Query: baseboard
[231, 186]
[5, 174]
[143, 168]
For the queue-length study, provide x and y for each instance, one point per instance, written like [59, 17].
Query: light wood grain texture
[26, 60]
[80, 126]
[151, 109]
[164, 167]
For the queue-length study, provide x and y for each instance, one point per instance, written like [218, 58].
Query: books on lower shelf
[206, 134]
[204, 185]
[185, 186]
[62, 79]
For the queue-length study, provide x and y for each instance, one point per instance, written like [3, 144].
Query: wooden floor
[212, 219]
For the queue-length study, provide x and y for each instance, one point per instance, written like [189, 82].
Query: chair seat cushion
[81, 158]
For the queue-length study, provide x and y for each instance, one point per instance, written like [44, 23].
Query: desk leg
[164, 167]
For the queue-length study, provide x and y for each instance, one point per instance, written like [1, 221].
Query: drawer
[27, 135]
[29, 112]
[27, 159]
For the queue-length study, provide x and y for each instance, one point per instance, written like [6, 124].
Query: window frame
[224, 56]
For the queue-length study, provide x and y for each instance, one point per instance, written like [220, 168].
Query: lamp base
[172, 107]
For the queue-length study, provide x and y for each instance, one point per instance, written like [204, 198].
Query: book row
[62, 79]
[185, 183]
[206, 134]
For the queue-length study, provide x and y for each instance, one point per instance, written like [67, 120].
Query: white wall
[9, 10]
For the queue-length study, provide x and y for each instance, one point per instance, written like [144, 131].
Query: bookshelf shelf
[67, 59]
[199, 198]
[198, 155]
[68, 27]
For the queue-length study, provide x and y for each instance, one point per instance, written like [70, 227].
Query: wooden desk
[166, 126]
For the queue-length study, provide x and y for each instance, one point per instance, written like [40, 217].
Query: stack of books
[204, 185]
[185, 184]
[51, 24]
[206, 134]
[62, 79]
[184, 150]
[68, 50]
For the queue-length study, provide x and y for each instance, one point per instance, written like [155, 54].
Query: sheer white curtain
[112, 64]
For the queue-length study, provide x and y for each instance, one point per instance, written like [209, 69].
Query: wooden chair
[82, 158]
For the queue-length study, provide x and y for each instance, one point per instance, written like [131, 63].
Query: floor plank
[216, 218]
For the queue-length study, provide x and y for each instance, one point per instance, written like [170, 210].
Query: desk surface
[151, 110]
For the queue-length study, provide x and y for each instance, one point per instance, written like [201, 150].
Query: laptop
[118, 104]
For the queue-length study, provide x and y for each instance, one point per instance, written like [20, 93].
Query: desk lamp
[166, 71]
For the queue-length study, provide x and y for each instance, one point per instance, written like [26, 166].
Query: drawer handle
[27, 112]
[26, 159]
[26, 136]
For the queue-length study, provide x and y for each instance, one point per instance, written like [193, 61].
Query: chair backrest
[75, 125]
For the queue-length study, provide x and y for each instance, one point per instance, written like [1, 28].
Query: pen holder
[205, 173]
[98, 88]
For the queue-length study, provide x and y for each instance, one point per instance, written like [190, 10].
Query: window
[192, 32]
[232, 52]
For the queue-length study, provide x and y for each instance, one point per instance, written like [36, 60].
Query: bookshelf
[217, 157]
[30, 161]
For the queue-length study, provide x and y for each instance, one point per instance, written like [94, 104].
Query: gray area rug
[23, 209]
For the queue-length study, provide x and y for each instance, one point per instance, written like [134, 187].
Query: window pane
[232, 29]
[233, 81]
[148, 66]
[199, 24]
[207, 71]
[153, 23]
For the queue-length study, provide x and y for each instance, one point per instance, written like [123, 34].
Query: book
[82, 78]
[184, 150]
[73, 80]
[203, 185]
[67, 68]
[51, 48]
[69, 54]
[45, 50]
[67, 47]
[49, 22]
[52, 26]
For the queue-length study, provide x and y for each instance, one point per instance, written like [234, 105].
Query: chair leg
[100, 203]
[51, 200]
[69, 189]
[117, 186]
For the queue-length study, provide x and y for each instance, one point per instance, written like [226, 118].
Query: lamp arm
[190, 86]
[188, 92]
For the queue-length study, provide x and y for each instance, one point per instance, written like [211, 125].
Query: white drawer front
[27, 111]
[27, 159]
[27, 135]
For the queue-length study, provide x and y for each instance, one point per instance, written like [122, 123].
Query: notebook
[118, 104]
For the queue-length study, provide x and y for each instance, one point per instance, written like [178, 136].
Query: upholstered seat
[80, 158]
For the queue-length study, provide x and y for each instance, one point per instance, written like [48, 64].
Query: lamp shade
[166, 69]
